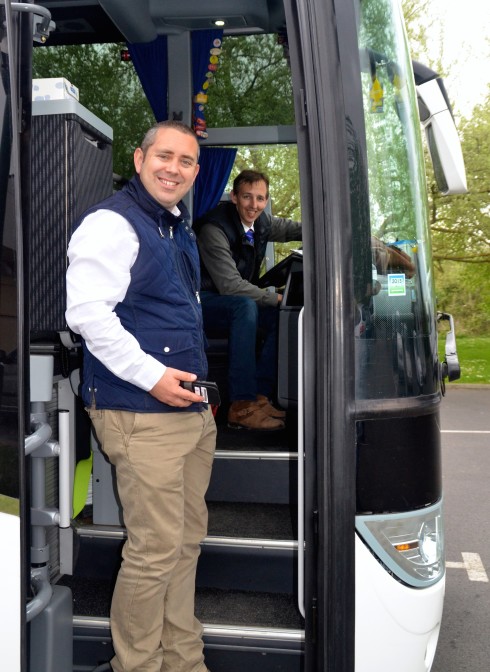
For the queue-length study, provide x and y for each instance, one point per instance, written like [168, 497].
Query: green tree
[415, 13]
[463, 224]
[252, 85]
[253, 88]
[461, 233]
[460, 224]
[108, 87]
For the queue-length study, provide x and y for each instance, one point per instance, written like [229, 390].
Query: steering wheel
[278, 274]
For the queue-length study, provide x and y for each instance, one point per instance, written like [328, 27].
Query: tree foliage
[253, 84]
[108, 87]
[460, 224]
[253, 88]
[250, 68]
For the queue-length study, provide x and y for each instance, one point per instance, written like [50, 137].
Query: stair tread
[92, 597]
[251, 521]
[235, 519]
[242, 440]
[230, 607]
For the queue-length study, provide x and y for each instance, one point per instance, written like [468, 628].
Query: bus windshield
[395, 324]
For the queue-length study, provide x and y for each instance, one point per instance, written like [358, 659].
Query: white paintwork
[397, 627]
[10, 593]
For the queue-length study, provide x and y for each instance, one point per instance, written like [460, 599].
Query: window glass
[395, 326]
[252, 85]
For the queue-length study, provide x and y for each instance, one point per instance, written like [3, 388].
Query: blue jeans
[241, 319]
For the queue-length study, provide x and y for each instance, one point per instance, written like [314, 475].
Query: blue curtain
[150, 62]
[216, 164]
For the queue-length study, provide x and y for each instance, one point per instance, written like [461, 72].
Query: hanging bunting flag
[201, 96]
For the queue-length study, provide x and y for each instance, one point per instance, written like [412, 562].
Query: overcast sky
[466, 40]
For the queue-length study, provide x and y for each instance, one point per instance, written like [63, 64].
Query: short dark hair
[249, 177]
[150, 134]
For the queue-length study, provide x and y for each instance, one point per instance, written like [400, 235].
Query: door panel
[12, 501]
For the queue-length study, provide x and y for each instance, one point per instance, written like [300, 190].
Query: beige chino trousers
[163, 466]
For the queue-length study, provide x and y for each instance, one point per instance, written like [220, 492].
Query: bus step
[285, 440]
[227, 647]
[250, 546]
[250, 520]
[249, 565]
[268, 477]
[255, 475]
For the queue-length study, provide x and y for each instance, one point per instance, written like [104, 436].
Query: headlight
[411, 545]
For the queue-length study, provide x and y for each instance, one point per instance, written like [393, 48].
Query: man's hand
[168, 389]
[391, 258]
[400, 261]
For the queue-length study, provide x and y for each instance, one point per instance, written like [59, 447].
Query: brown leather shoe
[269, 409]
[249, 415]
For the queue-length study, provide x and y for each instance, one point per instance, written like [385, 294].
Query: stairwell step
[252, 520]
[92, 598]
[254, 476]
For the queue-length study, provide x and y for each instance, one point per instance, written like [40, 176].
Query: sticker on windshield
[396, 284]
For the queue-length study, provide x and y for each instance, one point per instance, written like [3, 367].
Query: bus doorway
[309, 526]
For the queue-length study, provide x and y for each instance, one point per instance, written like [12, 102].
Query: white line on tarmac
[465, 431]
[473, 565]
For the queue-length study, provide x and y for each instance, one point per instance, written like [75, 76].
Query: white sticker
[202, 391]
[396, 284]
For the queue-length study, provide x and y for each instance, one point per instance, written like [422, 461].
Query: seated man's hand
[400, 261]
[391, 258]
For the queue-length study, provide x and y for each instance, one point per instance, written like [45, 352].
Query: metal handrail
[301, 472]
[43, 593]
[41, 434]
[40, 441]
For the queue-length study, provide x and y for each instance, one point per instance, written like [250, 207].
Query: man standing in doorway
[133, 295]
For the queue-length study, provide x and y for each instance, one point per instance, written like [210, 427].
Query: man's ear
[138, 159]
[233, 197]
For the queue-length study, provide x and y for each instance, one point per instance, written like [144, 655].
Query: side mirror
[450, 368]
[442, 137]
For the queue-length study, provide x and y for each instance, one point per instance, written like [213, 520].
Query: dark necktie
[249, 233]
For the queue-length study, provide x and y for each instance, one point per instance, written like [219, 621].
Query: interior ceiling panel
[95, 21]
[80, 22]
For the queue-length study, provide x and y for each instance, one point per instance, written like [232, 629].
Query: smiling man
[133, 295]
[232, 242]
[167, 163]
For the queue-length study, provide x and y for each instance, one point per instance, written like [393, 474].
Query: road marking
[465, 431]
[473, 565]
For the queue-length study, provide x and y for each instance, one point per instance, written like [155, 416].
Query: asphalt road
[464, 642]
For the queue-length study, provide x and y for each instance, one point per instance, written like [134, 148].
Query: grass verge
[9, 505]
[474, 358]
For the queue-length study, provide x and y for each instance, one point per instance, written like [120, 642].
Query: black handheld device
[205, 388]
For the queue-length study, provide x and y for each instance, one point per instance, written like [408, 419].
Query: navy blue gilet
[161, 308]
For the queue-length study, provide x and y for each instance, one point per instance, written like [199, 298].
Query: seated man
[232, 242]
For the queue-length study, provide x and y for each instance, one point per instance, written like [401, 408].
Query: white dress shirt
[101, 253]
